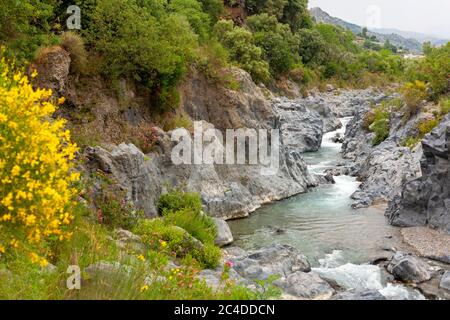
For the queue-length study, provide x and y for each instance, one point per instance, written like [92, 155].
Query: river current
[338, 240]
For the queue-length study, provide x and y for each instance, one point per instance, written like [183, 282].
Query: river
[336, 239]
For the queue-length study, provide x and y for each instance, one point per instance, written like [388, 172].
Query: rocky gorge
[414, 181]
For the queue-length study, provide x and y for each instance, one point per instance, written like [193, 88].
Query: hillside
[421, 37]
[396, 39]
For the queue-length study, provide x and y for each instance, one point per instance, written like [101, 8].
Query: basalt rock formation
[426, 200]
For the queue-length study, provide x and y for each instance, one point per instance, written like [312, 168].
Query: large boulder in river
[281, 260]
[408, 268]
[426, 200]
[305, 285]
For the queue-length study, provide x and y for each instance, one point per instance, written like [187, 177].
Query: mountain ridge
[396, 39]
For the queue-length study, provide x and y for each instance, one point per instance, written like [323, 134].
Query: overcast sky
[425, 16]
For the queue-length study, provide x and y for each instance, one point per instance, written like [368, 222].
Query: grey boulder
[281, 260]
[224, 236]
[305, 285]
[407, 268]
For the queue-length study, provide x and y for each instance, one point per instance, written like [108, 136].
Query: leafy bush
[242, 49]
[35, 169]
[160, 235]
[278, 43]
[413, 95]
[177, 200]
[25, 26]
[380, 125]
[192, 10]
[433, 70]
[199, 225]
[133, 42]
[116, 212]
[426, 126]
[444, 106]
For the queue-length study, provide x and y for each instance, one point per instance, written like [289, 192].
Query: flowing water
[323, 226]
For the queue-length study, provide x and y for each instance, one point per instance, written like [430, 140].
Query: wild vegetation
[49, 217]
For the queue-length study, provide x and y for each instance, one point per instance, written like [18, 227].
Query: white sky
[424, 16]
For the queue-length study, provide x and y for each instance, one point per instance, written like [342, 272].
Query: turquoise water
[321, 221]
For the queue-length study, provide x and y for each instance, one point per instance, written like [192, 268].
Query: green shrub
[160, 235]
[410, 142]
[380, 125]
[177, 200]
[426, 126]
[25, 27]
[199, 225]
[444, 106]
[192, 10]
[278, 43]
[242, 49]
[155, 51]
[413, 94]
[116, 212]
[433, 70]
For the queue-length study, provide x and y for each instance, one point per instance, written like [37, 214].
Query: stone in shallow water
[276, 259]
[305, 285]
[407, 268]
[359, 295]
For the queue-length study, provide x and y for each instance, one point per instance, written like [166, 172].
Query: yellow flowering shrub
[36, 176]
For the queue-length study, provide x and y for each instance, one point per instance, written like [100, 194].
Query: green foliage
[214, 8]
[291, 12]
[192, 10]
[434, 70]
[160, 235]
[25, 26]
[444, 106]
[312, 47]
[199, 225]
[277, 41]
[380, 125]
[177, 200]
[370, 45]
[132, 42]
[116, 212]
[413, 95]
[427, 125]
[242, 49]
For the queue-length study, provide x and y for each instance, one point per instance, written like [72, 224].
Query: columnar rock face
[426, 201]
